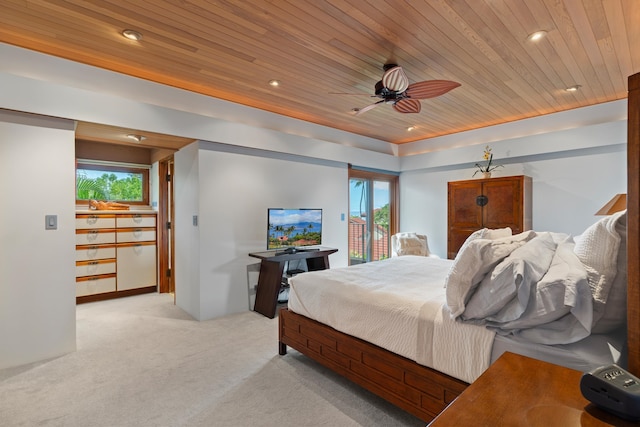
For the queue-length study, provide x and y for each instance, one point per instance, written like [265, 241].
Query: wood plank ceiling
[315, 49]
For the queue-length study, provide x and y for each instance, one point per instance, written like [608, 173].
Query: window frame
[116, 167]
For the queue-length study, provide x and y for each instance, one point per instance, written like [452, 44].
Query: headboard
[633, 224]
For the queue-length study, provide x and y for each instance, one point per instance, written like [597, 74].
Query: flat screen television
[297, 228]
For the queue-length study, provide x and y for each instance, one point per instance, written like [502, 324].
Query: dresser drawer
[132, 235]
[136, 220]
[95, 236]
[93, 252]
[95, 285]
[136, 265]
[84, 221]
[94, 268]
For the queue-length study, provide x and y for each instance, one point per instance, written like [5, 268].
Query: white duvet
[399, 305]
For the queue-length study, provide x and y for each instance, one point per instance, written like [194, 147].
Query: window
[112, 182]
[373, 215]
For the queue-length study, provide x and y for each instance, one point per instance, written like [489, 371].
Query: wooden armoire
[487, 203]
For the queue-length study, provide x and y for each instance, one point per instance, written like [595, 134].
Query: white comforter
[531, 286]
[397, 304]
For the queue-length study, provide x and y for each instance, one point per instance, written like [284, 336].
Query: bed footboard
[417, 389]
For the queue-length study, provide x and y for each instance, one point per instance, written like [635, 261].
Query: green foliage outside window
[381, 215]
[109, 185]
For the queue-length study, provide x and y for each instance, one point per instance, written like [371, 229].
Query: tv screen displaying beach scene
[294, 228]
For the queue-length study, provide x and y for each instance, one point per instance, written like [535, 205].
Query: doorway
[373, 215]
[166, 283]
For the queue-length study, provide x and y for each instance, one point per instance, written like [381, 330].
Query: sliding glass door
[372, 215]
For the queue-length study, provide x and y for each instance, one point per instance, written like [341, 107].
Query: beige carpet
[141, 361]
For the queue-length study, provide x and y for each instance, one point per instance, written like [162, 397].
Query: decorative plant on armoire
[486, 168]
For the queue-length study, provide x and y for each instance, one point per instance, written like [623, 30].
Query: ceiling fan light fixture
[136, 138]
[132, 35]
[537, 36]
[573, 88]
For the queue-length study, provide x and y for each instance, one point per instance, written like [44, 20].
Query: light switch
[195, 220]
[51, 222]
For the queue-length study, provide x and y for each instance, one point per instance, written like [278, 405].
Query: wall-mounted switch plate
[51, 222]
[195, 220]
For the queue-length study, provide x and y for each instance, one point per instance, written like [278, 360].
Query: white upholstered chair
[410, 243]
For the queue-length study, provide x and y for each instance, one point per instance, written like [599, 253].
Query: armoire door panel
[457, 236]
[504, 204]
[463, 208]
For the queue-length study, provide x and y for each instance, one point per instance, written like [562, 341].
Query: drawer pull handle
[93, 263]
[93, 231]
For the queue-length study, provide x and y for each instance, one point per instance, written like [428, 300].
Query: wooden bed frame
[425, 392]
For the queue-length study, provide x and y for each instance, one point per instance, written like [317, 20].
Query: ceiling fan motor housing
[386, 93]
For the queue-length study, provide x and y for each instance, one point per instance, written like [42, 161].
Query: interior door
[165, 227]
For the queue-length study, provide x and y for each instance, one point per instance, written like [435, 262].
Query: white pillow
[597, 249]
[497, 233]
[612, 315]
[486, 233]
[409, 244]
[473, 263]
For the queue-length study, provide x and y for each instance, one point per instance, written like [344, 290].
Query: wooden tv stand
[272, 268]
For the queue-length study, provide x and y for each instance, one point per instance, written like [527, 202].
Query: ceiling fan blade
[430, 88]
[368, 107]
[407, 106]
[395, 79]
[349, 93]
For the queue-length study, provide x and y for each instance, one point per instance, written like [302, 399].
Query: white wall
[234, 190]
[154, 186]
[575, 172]
[37, 269]
[186, 192]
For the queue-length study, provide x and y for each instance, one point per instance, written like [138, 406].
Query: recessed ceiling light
[132, 35]
[573, 88]
[410, 128]
[538, 35]
[274, 83]
[136, 138]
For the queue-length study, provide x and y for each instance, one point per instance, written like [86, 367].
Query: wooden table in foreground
[272, 269]
[520, 391]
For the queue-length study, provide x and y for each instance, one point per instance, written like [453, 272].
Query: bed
[417, 330]
[391, 363]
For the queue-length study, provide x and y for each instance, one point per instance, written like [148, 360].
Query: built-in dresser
[116, 254]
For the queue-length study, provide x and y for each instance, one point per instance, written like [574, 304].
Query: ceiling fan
[394, 88]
